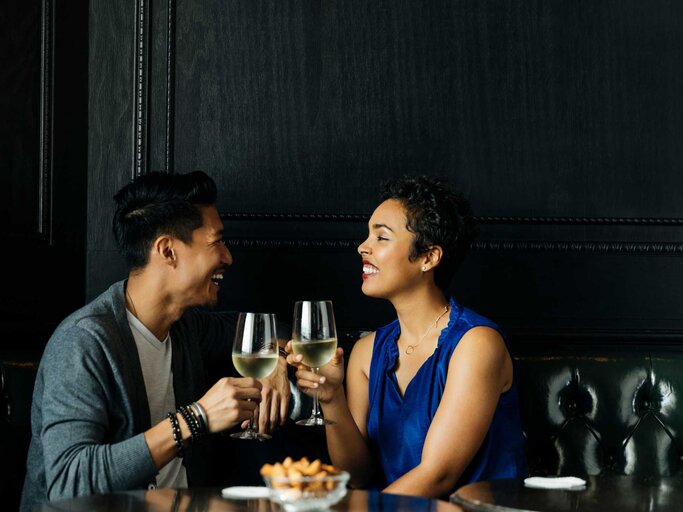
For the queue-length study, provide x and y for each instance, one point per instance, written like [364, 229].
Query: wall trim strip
[170, 86]
[359, 217]
[141, 157]
[46, 122]
[479, 245]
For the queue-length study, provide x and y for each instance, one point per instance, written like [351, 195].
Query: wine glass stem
[316, 403]
[251, 430]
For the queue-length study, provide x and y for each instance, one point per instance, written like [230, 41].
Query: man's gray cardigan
[90, 406]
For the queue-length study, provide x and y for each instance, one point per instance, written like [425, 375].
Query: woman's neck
[417, 311]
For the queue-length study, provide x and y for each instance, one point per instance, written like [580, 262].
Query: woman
[430, 403]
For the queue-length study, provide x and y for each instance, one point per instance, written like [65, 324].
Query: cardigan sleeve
[86, 431]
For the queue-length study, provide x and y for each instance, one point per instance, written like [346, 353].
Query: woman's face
[387, 269]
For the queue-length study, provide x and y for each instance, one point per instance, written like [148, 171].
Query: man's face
[202, 262]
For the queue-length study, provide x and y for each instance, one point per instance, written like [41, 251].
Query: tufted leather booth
[602, 410]
[586, 410]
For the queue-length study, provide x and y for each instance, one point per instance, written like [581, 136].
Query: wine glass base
[315, 421]
[247, 434]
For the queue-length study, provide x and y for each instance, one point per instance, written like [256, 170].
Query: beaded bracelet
[192, 423]
[177, 436]
[189, 420]
[201, 415]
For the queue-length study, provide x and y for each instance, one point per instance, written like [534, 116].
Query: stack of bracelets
[196, 421]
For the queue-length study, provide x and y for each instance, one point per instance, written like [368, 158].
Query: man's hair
[156, 204]
[436, 215]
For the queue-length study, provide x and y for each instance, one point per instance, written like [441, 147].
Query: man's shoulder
[97, 319]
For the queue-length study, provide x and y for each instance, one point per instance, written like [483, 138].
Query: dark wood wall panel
[561, 121]
[20, 135]
[533, 108]
[115, 82]
[43, 101]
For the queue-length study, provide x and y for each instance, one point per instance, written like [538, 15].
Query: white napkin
[554, 482]
[245, 492]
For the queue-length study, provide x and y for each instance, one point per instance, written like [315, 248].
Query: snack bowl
[299, 493]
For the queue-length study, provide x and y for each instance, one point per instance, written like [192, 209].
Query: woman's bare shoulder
[365, 342]
[361, 354]
[481, 337]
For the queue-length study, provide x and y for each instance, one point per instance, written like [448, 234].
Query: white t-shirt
[155, 359]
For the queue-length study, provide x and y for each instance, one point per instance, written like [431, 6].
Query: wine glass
[254, 354]
[314, 336]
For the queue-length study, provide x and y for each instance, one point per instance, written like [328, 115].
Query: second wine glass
[255, 354]
[314, 336]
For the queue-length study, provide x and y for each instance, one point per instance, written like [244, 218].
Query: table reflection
[210, 500]
[602, 493]
[184, 500]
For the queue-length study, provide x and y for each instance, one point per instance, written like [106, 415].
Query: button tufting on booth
[602, 410]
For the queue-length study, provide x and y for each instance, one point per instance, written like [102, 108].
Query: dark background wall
[561, 121]
[43, 166]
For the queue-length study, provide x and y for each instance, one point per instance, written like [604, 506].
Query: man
[120, 400]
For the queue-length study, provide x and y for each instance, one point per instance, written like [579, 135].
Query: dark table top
[210, 500]
[601, 494]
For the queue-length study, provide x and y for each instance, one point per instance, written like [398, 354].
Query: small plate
[245, 492]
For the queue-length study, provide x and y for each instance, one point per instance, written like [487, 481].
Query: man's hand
[230, 401]
[275, 396]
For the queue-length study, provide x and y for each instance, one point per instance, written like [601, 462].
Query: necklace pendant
[410, 349]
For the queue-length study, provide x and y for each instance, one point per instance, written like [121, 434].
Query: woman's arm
[480, 369]
[347, 437]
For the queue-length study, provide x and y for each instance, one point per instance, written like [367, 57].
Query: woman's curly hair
[436, 215]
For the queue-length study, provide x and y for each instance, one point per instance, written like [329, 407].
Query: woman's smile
[369, 269]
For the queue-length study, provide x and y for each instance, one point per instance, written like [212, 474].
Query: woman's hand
[328, 381]
[274, 399]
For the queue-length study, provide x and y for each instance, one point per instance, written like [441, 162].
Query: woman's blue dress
[397, 425]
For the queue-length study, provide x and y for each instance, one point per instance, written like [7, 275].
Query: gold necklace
[411, 348]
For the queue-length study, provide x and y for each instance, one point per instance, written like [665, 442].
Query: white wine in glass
[314, 336]
[255, 354]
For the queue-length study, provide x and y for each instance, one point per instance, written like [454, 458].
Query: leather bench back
[595, 411]
[17, 378]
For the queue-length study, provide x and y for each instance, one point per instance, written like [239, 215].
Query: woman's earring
[424, 269]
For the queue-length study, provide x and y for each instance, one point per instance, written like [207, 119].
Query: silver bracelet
[199, 411]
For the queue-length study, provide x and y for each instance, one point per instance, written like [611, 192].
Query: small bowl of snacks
[303, 485]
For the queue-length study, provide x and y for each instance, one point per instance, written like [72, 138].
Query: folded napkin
[245, 493]
[554, 482]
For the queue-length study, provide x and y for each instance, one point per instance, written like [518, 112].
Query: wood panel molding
[653, 248]
[46, 116]
[579, 246]
[142, 24]
[170, 86]
[556, 245]
[355, 217]
[43, 232]
[143, 85]
[582, 221]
